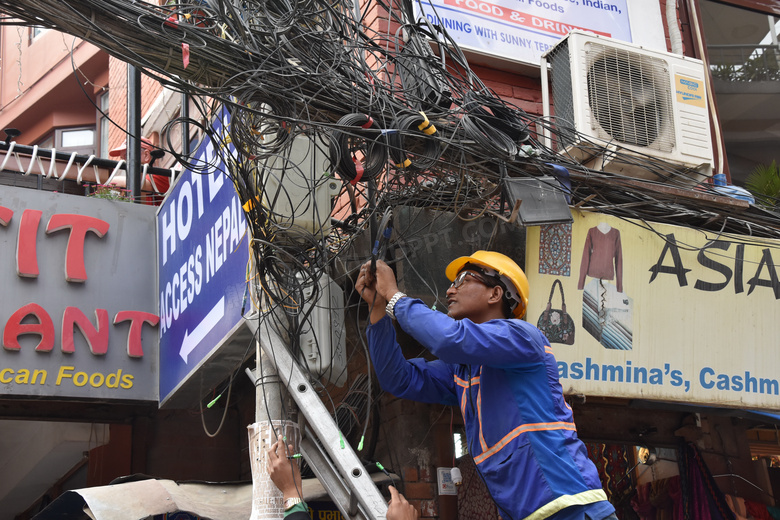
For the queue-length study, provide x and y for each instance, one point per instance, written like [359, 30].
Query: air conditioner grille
[629, 97]
[563, 100]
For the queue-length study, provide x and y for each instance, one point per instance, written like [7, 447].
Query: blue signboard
[202, 257]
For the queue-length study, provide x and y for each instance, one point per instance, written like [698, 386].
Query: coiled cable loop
[357, 148]
[414, 144]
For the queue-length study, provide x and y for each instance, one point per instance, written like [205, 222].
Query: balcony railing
[745, 62]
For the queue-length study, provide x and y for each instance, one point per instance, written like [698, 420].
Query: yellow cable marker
[426, 126]
[250, 204]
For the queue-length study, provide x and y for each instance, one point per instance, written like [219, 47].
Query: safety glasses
[461, 278]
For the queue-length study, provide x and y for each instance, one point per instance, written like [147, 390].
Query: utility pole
[271, 407]
[134, 179]
[322, 444]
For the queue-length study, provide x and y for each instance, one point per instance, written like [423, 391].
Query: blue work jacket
[503, 376]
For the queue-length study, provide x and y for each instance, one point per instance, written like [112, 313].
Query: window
[35, 31]
[77, 138]
[80, 140]
[47, 142]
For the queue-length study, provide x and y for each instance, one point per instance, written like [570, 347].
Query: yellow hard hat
[505, 269]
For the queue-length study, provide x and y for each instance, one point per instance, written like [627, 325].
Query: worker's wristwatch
[289, 503]
[390, 309]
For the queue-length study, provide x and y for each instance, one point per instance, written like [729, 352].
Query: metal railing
[745, 62]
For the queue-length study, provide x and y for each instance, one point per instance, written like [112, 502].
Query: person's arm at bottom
[286, 475]
[399, 508]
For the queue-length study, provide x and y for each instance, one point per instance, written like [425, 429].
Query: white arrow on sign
[191, 340]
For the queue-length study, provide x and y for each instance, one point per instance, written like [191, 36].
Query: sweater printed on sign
[602, 257]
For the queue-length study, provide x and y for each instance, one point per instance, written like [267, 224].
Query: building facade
[66, 94]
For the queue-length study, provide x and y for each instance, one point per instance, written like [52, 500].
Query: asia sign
[653, 311]
[523, 30]
[202, 257]
[78, 309]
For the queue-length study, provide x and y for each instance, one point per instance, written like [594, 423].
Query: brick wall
[523, 91]
[415, 439]
[117, 99]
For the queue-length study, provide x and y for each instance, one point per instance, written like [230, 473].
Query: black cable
[383, 233]
[414, 130]
[357, 148]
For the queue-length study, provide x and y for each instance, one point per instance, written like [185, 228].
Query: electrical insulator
[457, 478]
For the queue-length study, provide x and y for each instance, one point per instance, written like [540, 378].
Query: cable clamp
[359, 171]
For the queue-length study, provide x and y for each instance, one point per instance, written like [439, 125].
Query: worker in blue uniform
[500, 371]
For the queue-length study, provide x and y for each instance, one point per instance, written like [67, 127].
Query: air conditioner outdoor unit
[613, 96]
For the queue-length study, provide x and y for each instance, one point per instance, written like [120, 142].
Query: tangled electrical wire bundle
[387, 105]
[334, 118]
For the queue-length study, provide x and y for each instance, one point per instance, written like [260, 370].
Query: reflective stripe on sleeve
[580, 499]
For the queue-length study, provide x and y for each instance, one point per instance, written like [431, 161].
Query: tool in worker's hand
[382, 238]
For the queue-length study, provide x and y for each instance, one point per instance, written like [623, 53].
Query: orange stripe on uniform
[482, 442]
[464, 383]
[525, 428]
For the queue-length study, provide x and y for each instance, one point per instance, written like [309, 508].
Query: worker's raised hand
[386, 285]
[366, 286]
[399, 508]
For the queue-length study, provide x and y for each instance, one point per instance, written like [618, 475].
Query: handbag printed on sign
[556, 324]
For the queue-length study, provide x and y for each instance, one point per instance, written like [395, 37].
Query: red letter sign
[79, 225]
[26, 251]
[44, 328]
[5, 215]
[137, 320]
[97, 337]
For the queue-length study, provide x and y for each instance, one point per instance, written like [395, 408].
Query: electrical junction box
[446, 485]
[323, 336]
[296, 187]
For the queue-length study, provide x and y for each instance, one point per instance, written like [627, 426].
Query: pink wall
[42, 70]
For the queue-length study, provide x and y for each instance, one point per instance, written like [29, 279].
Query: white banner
[523, 30]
